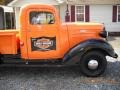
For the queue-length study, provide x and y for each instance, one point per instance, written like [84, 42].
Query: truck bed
[9, 41]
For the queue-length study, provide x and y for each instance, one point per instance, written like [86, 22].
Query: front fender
[74, 55]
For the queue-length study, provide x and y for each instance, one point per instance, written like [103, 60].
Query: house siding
[20, 3]
[103, 14]
[17, 12]
[63, 12]
[94, 2]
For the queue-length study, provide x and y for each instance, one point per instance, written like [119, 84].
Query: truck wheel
[93, 63]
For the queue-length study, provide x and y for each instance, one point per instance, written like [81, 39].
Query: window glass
[40, 18]
[80, 13]
[80, 17]
[80, 9]
[9, 20]
[1, 19]
[13, 20]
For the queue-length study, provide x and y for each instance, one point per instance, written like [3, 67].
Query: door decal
[43, 43]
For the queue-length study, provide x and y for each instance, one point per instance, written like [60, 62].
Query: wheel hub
[93, 64]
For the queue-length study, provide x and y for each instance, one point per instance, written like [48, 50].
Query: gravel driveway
[59, 78]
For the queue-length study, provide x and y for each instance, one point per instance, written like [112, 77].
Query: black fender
[74, 55]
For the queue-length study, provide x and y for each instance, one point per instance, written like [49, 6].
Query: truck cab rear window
[40, 18]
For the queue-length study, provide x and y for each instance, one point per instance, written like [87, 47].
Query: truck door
[42, 35]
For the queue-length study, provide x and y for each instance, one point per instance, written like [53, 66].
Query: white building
[103, 11]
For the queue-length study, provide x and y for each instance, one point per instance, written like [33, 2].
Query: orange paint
[67, 34]
[9, 42]
[35, 40]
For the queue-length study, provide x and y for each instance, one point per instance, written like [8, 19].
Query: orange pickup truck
[43, 39]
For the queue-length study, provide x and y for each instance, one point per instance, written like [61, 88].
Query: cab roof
[38, 6]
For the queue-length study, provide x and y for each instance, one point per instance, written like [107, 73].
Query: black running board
[34, 65]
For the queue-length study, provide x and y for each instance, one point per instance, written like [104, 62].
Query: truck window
[1, 18]
[9, 20]
[41, 18]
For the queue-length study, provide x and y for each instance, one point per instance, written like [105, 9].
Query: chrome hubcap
[93, 64]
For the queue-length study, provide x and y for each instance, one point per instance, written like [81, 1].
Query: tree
[2, 2]
[5, 2]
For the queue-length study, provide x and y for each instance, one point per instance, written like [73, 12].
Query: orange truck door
[42, 35]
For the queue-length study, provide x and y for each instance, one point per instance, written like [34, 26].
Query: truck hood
[80, 28]
[79, 32]
[85, 25]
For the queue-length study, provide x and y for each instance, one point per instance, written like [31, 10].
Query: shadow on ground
[111, 38]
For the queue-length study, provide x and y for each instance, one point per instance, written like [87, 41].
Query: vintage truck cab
[44, 38]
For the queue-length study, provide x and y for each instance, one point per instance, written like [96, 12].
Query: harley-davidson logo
[43, 43]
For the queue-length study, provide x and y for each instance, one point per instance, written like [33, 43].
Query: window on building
[118, 13]
[80, 13]
[40, 18]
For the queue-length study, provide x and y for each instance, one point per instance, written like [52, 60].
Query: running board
[34, 65]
